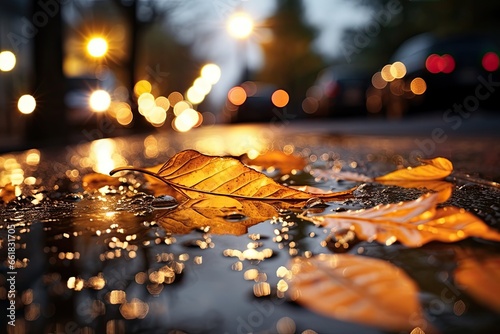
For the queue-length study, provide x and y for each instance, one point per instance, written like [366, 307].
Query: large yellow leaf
[432, 169]
[413, 223]
[197, 175]
[222, 215]
[479, 278]
[357, 289]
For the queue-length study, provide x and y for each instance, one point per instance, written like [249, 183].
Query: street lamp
[240, 26]
[97, 47]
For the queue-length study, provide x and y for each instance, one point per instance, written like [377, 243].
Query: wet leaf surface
[196, 175]
[432, 169]
[412, 223]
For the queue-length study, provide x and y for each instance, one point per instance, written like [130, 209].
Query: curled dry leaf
[357, 289]
[479, 278]
[197, 175]
[432, 169]
[413, 223]
[222, 215]
[277, 159]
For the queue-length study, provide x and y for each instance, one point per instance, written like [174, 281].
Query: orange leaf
[479, 278]
[433, 169]
[413, 223]
[222, 215]
[197, 175]
[357, 289]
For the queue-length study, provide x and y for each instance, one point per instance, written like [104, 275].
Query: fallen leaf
[357, 289]
[433, 169]
[277, 159]
[94, 181]
[197, 175]
[222, 215]
[412, 223]
[479, 277]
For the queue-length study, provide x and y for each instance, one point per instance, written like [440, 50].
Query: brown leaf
[94, 181]
[277, 159]
[357, 289]
[197, 175]
[479, 277]
[413, 223]
[222, 215]
[433, 169]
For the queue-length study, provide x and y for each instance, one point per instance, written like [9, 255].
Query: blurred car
[251, 102]
[341, 90]
[430, 73]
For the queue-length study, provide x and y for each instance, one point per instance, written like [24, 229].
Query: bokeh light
[211, 73]
[398, 70]
[99, 100]
[240, 25]
[310, 105]
[378, 82]
[180, 107]
[141, 87]
[490, 61]
[194, 95]
[386, 73]
[162, 101]
[26, 104]
[280, 98]
[174, 98]
[97, 47]
[7, 61]
[186, 120]
[237, 95]
[418, 86]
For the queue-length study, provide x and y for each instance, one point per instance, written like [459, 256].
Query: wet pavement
[102, 261]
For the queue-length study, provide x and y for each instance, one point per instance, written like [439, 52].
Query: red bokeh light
[490, 61]
[437, 64]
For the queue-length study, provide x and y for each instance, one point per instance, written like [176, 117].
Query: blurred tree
[290, 62]
[48, 124]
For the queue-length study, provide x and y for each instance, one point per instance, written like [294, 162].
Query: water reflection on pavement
[100, 261]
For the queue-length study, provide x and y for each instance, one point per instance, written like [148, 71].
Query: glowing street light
[99, 100]
[7, 61]
[26, 104]
[240, 26]
[97, 47]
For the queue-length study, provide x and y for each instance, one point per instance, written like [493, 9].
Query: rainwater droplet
[73, 197]
[235, 217]
[164, 202]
